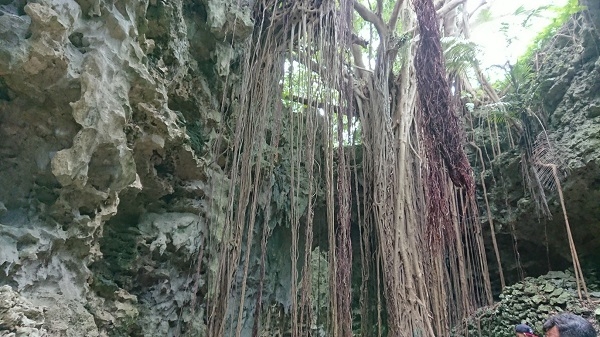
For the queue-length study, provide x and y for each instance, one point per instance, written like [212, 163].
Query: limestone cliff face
[568, 85]
[105, 193]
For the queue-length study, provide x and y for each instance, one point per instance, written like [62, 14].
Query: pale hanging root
[412, 280]
[581, 286]
[344, 195]
[489, 216]
[330, 201]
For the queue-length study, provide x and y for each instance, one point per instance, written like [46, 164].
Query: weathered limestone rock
[106, 192]
[19, 317]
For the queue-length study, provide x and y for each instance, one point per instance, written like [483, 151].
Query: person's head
[523, 330]
[568, 325]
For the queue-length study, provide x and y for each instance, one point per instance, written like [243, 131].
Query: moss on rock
[531, 301]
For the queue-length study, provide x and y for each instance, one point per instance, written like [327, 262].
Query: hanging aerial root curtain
[301, 42]
[427, 243]
[452, 228]
[442, 131]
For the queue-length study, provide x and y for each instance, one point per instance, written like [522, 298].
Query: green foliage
[484, 15]
[532, 13]
[197, 138]
[460, 54]
[359, 24]
[519, 84]
[500, 113]
[302, 86]
[548, 33]
[507, 29]
[388, 7]
[119, 249]
[304, 93]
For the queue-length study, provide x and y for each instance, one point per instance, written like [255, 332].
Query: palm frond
[501, 112]
[460, 54]
[546, 154]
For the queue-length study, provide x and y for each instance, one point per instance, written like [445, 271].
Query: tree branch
[394, 17]
[359, 41]
[358, 62]
[448, 7]
[440, 12]
[481, 4]
[371, 17]
[317, 68]
[312, 103]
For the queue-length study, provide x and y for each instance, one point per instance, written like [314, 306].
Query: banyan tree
[351, 201]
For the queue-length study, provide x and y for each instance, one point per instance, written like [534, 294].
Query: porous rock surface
[105, 191]
[568, 95]
[531, 301]
[18, 317]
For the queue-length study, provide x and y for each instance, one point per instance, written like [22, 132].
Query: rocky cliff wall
[105, 193]
[567, 105]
